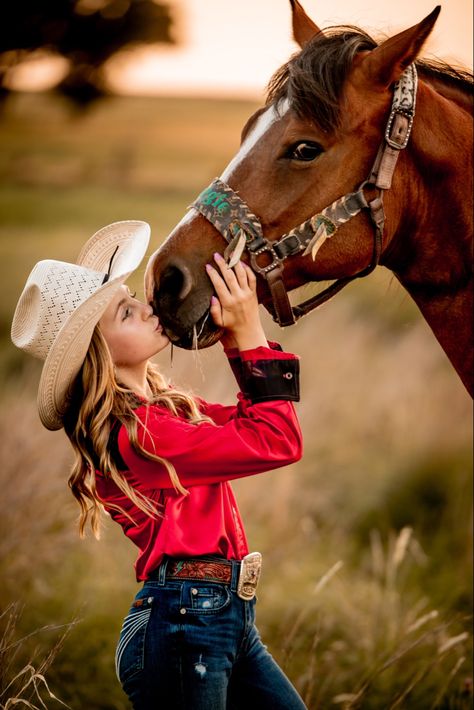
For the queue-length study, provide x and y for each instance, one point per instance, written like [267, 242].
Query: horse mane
[313, 78]
[453, 76]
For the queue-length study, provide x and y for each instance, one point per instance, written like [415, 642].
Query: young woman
[160, 461]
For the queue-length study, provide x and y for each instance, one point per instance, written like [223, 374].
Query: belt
[220, 571]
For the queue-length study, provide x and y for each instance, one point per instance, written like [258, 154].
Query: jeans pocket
[130, 653]
[207, 599]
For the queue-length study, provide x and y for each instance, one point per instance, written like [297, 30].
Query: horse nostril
[176, 281]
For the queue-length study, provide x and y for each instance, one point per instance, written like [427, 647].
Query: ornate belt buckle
[250, 568]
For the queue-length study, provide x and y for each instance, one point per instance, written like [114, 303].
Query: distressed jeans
[193, 645]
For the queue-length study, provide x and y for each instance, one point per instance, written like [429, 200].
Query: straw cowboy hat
[62, 303]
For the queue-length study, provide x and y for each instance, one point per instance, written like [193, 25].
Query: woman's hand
[236, 307]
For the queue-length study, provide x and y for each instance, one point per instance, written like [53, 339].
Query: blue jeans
[193, 645]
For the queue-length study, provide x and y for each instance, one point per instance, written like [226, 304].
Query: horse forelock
[313, 79]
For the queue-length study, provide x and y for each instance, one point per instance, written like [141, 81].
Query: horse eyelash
[289, 152]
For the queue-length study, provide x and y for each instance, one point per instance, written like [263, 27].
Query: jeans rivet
[194, 591]
[182, 610]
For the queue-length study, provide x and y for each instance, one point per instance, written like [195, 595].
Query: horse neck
[430, 250]
[449, 316]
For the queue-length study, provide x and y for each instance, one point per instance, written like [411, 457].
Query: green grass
[366, 593]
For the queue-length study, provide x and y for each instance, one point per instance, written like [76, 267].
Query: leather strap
[284, 310]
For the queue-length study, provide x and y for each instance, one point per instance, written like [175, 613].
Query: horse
[361, 156]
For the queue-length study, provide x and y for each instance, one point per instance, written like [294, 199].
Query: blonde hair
[98, 403]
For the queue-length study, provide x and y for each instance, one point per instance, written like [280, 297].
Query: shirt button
[194, 591]
[182, 610]
[288, 375]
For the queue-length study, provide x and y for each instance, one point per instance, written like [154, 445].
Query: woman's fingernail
[217, 256]
[208, 267]
[214, 300]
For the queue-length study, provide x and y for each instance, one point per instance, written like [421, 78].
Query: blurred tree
[86, 32]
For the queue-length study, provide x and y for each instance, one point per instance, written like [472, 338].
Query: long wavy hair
[99, 402]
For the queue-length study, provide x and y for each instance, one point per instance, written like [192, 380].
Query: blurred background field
[366, 595]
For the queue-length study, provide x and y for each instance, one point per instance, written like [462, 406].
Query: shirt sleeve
[219, 413]
[251, 368]
[260, 437]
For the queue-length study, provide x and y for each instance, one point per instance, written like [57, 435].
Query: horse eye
[305, 151]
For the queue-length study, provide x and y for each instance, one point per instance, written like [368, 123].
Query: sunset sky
[232, 48]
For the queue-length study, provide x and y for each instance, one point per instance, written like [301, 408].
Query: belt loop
[161, 578]
[236, 565]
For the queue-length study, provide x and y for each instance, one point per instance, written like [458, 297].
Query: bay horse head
[315, 192]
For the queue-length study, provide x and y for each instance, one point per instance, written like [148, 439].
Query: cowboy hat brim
[125, 243]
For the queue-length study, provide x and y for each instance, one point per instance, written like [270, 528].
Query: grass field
[366, 595]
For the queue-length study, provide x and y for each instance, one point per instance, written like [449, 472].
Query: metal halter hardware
[232, 217]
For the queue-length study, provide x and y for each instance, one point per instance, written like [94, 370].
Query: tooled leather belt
[220, 571]
[206, 570]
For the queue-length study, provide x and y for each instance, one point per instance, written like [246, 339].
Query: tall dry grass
[22, 680]
[408, 653]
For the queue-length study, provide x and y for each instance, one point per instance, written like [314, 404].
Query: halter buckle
[267, 247]
[397, 132]
[398, 128]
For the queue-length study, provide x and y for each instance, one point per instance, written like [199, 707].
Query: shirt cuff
[258, 380]
[264, 380]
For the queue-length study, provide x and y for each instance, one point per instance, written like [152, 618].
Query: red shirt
[244, 440]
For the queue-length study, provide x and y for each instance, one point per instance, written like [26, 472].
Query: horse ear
[386, 63]
[304, 28]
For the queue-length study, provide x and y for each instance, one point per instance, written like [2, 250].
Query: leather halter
[232, 217]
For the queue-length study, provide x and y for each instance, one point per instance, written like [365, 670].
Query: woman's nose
[147, 311]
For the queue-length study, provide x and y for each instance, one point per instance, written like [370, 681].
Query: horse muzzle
[202, 334]
[181, 304]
